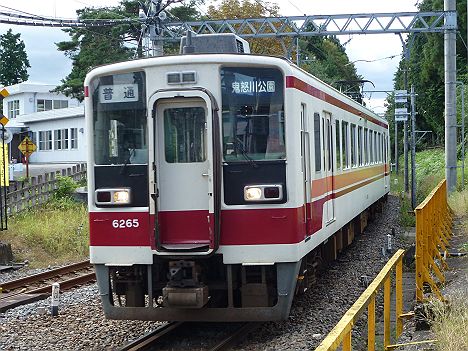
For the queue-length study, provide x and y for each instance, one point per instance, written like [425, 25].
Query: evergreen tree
[93, 46]
[14, 61]
[425, 70]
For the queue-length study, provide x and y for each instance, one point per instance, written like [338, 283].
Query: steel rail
[66, 284]
[37, 278]
[235, 337]
[151, 337]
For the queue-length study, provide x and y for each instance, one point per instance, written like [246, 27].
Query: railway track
[172, 329]
[38, 286]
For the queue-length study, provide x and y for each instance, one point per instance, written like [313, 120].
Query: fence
[341, 333]
[433, 230]
[24, 195]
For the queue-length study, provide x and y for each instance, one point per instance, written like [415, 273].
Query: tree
[14, 61]
[426, 70]
[234, 9]
[94, 46]
[326, 58]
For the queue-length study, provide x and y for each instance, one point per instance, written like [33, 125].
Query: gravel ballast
[81, 325]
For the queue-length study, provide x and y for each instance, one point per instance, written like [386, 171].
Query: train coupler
[185, 297]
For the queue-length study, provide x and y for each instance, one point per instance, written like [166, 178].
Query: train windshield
[253, 114]
[119, 119]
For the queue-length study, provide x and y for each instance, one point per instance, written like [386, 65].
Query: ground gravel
[314, 314]
[81, 324]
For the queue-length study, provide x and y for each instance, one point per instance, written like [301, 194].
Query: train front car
[191, 213]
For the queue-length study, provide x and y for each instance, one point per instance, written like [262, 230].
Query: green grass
[450, 322]
[54, 233]
[430, 170]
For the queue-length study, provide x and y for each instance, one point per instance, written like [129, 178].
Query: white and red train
[217, 181]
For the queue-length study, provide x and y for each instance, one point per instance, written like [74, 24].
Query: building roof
[51, 115]
[30, 87]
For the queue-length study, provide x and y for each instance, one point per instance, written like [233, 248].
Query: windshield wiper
[131, 153]
[239, 145]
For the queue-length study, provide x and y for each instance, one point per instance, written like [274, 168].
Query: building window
[45, 140]
[47, 105]
[58, 104]
[73, 138]
[13, 108]
[61, 139]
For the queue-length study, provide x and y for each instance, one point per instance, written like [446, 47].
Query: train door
[183, 178]
[306, 172]
[327, 131]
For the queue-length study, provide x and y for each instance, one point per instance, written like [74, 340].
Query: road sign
[4, 176]
[401, 96]
[4, 93]
[401, 114]
[6, 135]
[27, 147]
[3, 120]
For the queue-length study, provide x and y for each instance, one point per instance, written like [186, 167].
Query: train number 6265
[125, 223]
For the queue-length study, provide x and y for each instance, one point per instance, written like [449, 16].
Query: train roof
[242, 59]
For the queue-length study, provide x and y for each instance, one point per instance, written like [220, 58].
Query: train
[220, 180]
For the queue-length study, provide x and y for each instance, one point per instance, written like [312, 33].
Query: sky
[50, 66]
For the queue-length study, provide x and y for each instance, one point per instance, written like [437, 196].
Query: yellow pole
[399, 298]
[347, 342]
[419, 255]
[387, 288]
[371, 325]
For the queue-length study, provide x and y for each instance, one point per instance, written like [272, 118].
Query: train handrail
[341, 333]
[433, 231]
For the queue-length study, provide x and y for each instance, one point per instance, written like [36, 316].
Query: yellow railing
[341, 333]
[433, 230]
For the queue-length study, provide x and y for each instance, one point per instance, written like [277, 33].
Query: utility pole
[396, 148]
[413, 148]
[450, 66]
[405, 123]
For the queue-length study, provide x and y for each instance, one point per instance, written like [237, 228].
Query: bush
[65, 188]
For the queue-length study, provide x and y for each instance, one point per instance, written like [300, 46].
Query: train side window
[376, 158]
[345, 143]
[337, 145]
[381, 148]
[324, 146]
[377, 147]
[330, 143]
[353, 145]
[366, 146]
[359, 140]
[371, 148]
[318, 155]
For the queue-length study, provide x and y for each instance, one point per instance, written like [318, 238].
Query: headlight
[263, 193]
[252, 194]
[120, 196]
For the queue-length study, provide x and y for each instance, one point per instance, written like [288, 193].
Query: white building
[53, 121]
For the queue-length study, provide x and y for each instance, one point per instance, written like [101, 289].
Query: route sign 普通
[27, 147]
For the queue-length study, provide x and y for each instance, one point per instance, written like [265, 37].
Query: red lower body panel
[238, 227]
